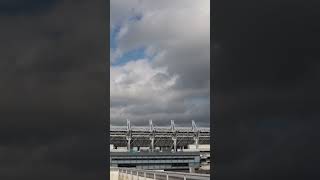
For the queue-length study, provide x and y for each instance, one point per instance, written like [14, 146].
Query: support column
[152, 144]
[196, 141]
[191, 169]
[195, 134]
[174, 136]
[129, 135]
[152, 135]
[174, 144]
[128, 144]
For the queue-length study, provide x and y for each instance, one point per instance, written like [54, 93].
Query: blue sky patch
[136, 17]
[113, 37]
[130, 56]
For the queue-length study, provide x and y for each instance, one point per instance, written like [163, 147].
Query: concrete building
[156, 161]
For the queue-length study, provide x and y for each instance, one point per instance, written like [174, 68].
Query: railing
[137, 174]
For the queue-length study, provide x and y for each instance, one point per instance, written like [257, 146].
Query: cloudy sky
[160, 58]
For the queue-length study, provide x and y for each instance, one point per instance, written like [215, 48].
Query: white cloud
[137, 80]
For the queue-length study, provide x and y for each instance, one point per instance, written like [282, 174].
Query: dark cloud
[53, 89]
[266, 89]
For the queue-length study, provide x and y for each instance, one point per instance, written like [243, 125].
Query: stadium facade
[160, 148]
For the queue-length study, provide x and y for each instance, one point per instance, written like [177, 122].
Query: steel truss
[163, 137]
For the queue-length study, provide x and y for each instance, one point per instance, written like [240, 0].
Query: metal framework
[163, 137]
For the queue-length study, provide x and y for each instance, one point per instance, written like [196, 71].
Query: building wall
[178, 160]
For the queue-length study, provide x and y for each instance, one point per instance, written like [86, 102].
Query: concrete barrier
[138, 174]
[114, 174]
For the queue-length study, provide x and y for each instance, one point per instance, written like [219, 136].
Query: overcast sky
[160, 58]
